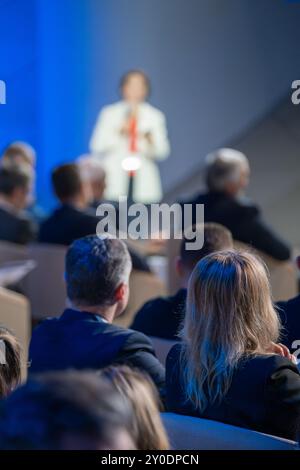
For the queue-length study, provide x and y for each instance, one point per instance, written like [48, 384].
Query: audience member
[65, 411]
[93, 170]
[15, 225]
[97, 275]
[162, 317]
[289, 313]
[17, 154]
[227, 177]
[228, 367]
[146, 425]
[21, 154]
[10, 362]
[73, 219]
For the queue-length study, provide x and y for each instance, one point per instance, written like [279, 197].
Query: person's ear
[120, 292]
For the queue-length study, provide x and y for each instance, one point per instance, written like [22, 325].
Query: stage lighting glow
[131, 163]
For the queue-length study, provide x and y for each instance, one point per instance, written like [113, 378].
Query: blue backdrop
[44, 53]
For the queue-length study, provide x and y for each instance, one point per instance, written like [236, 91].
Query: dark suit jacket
[82, 340]
[244, 220]
[289, 313]
[16, 228]
[264, 395]
[161, 317]
[67, 224]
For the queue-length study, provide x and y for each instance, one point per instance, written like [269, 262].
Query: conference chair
[283, 275]
[12, 252]
[15, 315]
[162, 347]
[189, 433]
[44, 286]
[143, 287]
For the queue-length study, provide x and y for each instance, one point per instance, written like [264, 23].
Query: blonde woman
[147, 430]
[229, 367]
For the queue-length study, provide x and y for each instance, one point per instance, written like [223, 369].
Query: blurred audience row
[80, 188]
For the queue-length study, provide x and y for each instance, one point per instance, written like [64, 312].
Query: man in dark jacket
[83, 337]
[15, 226]
[227, 176]
[74, 219]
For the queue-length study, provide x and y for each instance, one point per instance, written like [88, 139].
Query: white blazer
[111, 147]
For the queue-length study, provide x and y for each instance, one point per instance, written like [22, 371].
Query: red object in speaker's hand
[132, 138]
[133, 135]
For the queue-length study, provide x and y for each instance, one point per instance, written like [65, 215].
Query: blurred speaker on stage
[129, 137]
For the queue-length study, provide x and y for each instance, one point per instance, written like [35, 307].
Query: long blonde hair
[229, 316]
[147, 428]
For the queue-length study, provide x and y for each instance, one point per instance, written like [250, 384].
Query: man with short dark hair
[70, 220]
[163, 316]
[65, 411]
[97, 275]
[74, 219]
[15, 226]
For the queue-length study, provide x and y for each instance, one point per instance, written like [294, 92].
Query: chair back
[143, 287]
[162, 347]
[12, 252]
[45, 286]
[189, 433]
[283, 276]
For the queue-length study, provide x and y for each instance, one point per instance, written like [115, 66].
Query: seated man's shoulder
[44, 326]
[135, 339]
[246, 206]
[127, 335]
[199, 198]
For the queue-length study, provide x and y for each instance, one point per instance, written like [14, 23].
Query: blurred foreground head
[146, 426]
[65, 411]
